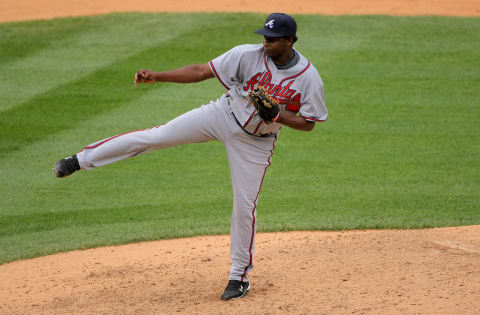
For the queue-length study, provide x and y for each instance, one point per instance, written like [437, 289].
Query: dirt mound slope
[376, 272]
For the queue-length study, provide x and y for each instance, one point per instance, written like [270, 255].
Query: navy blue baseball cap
[279, 25]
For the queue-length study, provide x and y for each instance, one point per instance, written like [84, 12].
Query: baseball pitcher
[268, 86]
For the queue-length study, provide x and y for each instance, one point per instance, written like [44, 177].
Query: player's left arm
[291, 120]
[312, 107]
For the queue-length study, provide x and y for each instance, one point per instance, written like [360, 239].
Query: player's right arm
[188, 74]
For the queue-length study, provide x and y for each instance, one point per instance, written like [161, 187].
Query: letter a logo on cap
[269, 23]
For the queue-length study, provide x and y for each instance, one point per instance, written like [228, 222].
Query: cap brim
[268, 33]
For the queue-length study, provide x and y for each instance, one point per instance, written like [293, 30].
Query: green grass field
[401, 148]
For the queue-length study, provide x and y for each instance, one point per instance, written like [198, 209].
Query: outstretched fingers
[139, 77]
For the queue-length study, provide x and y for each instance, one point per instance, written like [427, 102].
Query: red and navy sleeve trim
[217, 76]
[313, 118]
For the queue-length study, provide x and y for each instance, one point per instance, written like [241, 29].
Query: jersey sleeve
[226, 67]
[313, 104]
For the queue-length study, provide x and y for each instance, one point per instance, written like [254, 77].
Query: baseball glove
[267, 108]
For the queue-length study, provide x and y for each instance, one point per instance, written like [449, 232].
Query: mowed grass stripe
[39, 56]
[22, 40]
[62, 108]
[36, 222]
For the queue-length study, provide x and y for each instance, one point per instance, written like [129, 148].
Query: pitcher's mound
[383, 272]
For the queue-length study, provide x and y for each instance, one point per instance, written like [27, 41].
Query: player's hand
[144, 76]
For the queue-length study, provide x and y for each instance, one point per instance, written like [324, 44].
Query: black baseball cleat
[235, 290]
[66, 166]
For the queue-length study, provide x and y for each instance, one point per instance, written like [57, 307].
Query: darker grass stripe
[37, 222]
[166, 212]
[19, 40]
[64, 107]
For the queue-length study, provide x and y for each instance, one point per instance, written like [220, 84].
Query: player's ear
[291, 40]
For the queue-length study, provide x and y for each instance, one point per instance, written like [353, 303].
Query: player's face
[276, 46]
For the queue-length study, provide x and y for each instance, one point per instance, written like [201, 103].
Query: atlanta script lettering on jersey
[282, 94]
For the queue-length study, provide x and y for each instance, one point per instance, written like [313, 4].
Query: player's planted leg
[248, 158]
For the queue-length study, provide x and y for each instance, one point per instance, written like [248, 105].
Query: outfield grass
[401, 148]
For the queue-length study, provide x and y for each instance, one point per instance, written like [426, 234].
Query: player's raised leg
[198, 125]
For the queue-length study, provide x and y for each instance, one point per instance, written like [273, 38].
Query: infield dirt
[11, 10]
[433, 271]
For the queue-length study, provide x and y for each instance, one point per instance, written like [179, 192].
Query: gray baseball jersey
[297, 89]
[232, 120]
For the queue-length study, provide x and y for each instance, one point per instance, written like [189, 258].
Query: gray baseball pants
[248, 156]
